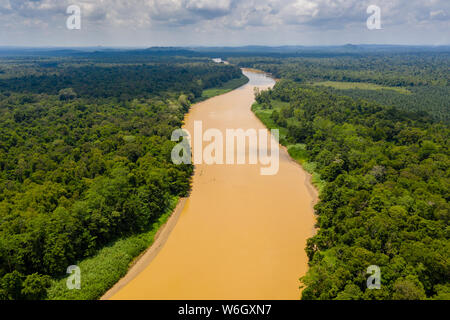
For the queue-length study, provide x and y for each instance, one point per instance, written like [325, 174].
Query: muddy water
[241, 235]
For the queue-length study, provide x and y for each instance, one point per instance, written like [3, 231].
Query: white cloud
[209, 5]
[168, 16]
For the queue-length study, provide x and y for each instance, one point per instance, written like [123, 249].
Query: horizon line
[222, 46]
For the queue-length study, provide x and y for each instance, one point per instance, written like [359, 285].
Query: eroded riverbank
[240, 235]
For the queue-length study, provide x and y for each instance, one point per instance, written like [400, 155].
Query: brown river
[240, 234]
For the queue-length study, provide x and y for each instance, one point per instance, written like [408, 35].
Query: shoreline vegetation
[102, 273]
[146, 257]
[225, 88]
[298, 154]
[296, 151]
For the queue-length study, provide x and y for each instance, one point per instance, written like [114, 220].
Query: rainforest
[87, 179]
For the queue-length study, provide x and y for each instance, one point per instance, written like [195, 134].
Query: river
[240, 234]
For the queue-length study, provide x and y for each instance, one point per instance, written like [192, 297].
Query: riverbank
[225, 88]
[297, 152]
[312, 181]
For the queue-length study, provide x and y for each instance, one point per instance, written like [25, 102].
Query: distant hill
[223, 52]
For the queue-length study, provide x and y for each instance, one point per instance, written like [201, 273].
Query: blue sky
[146, 23]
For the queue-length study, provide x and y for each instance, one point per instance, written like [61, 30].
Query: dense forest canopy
[124, 81]
[85, 158]
[387, 69]
[385, 200]
[425, 75]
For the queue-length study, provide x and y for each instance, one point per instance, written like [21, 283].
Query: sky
[145, 23]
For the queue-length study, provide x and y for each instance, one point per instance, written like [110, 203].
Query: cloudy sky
[146, 23]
